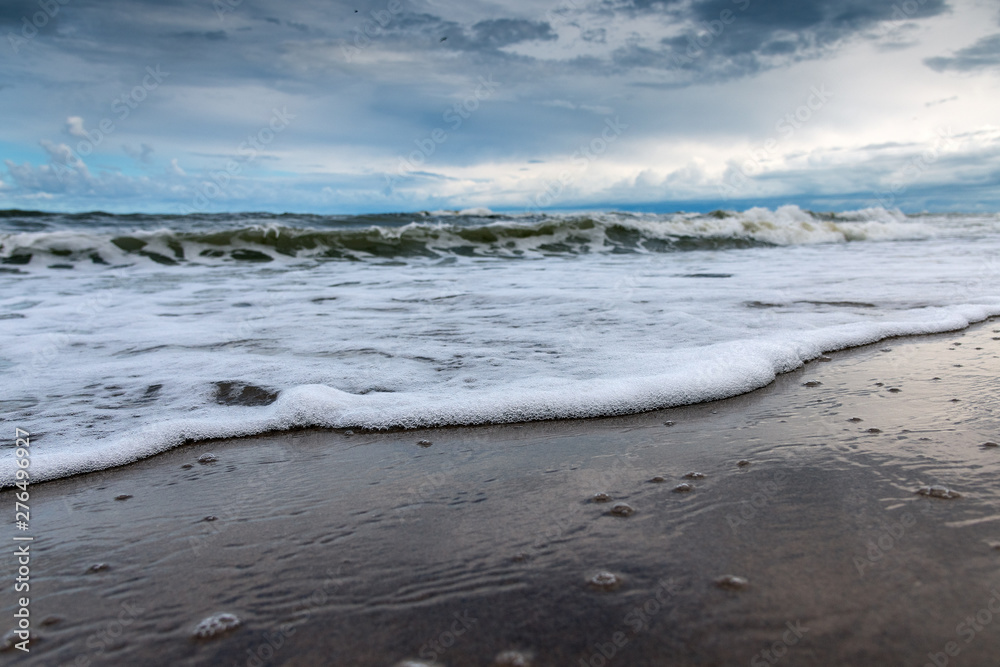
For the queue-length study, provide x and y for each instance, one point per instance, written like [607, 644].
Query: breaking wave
[64, 241]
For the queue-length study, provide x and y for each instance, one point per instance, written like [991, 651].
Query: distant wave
[62, 241]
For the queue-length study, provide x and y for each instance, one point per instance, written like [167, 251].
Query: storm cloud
[386, 109]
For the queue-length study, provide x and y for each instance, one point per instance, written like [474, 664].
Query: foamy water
[125, 336]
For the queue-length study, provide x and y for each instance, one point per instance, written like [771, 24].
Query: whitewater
[124, 336]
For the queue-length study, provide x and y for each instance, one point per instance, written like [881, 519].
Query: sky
[324, 106]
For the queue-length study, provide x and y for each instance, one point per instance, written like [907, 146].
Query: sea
[122, 336]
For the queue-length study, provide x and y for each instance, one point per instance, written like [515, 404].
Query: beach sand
[369, 549]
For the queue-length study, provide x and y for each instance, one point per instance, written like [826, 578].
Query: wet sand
[369, 549]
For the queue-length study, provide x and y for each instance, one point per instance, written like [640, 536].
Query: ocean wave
[129, 353]
[197, 240]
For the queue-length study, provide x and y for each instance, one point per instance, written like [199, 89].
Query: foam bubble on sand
[605, 581]
[622, 509]
[215, 625]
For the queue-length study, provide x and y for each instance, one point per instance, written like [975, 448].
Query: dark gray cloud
[710, 40]
[26, 19]
[13, 13]
[983, 54]
[829, 20]
[210, 35]
[421, 31]
[495, 33]
[728, 38]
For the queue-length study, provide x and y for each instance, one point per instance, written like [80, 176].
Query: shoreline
[99, 461]
[369, 549]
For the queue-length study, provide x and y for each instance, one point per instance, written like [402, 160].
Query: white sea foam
[106, 365]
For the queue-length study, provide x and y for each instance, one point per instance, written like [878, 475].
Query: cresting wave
[62, 242]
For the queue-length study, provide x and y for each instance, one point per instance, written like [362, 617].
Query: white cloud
[63, 158]
[74, 126]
